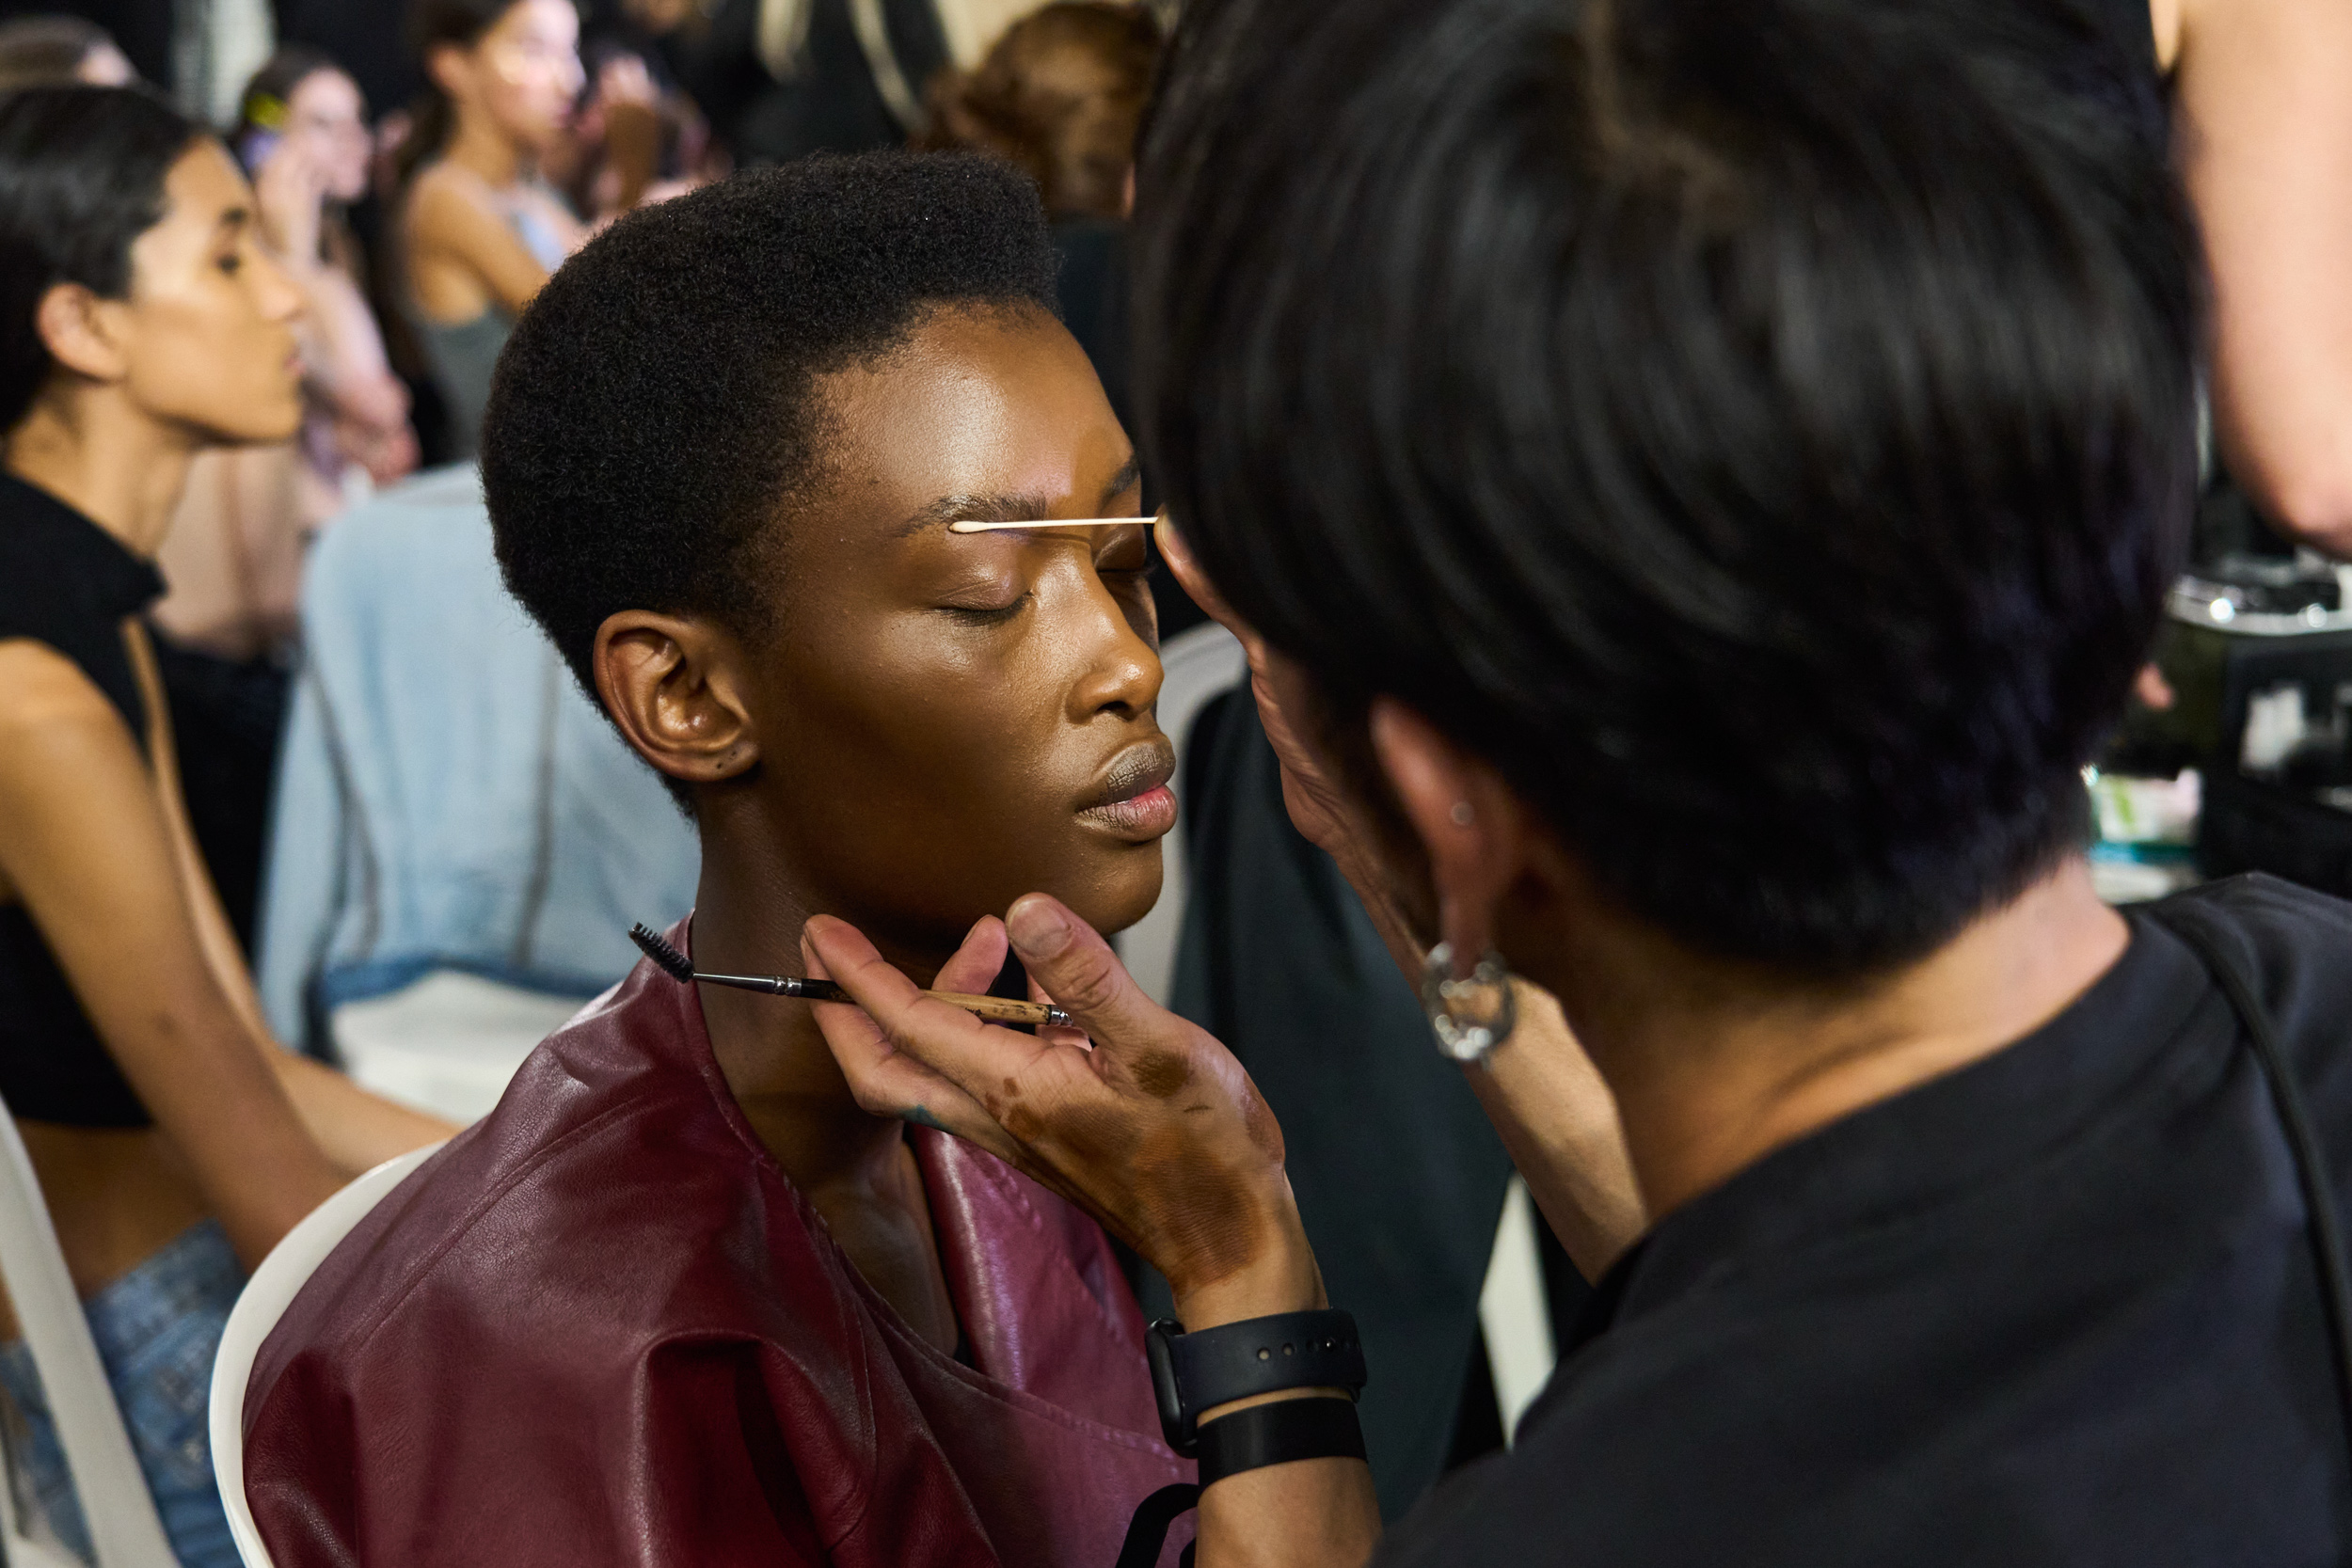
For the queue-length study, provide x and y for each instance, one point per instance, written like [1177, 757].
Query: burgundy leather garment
[601, 1327]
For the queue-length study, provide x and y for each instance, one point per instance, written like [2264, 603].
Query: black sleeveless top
[69, 584]
[2131, 31]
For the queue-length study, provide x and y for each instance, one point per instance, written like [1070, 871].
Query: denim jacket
[447, 797]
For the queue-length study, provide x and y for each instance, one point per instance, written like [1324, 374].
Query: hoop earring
[1470, 1017]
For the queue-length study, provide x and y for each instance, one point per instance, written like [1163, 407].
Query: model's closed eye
[988, 615]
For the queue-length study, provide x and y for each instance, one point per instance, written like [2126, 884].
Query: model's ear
[671, 686]
[82, 332]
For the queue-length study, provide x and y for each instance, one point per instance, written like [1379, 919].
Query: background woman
[480, 230]
[1060, 95]
[302, 136]
[235, 552]
[140, 318]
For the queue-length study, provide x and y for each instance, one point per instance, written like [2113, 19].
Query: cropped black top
[69, 584]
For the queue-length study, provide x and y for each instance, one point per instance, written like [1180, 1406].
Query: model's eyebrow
[1009, 509]
[984, 509]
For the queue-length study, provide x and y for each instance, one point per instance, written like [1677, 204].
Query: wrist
[1282, 1278]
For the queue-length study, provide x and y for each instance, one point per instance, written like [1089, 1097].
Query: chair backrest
[259, 1304]
[1196, 665]
[123, 1528]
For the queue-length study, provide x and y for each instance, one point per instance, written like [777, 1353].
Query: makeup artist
[1696, 482]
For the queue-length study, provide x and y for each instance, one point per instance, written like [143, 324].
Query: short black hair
[1763, 431]
[82, 173]
[655, 411]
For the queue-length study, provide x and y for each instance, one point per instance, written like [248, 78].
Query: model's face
[524, 74]
[206, 338]
[946, 722]
[327, 116]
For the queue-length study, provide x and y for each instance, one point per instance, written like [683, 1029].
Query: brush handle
[1000, 1009]
[996, 1009]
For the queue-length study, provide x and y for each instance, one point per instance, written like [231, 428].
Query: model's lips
[1133, 801]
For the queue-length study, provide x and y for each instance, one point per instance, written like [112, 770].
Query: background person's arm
[342, 350]
[85, 844]
[354, 1128]
[2264, 130]
[454, 227]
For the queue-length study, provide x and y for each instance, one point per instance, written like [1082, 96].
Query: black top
[2129, 29]
[69, 584]
[2057, 1307]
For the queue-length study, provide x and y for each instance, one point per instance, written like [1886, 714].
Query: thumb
[1072, 965]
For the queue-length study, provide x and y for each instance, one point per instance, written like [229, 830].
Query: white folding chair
[259, 1304]
[1197, 665]
[123, 1529]
[447, 1043]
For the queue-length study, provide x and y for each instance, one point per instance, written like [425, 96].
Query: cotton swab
[973, 525]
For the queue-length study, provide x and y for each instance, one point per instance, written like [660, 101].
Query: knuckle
[1092, 985]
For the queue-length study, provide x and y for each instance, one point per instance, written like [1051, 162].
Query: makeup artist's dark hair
[82, 172]
[655, 412]
[1764, 432]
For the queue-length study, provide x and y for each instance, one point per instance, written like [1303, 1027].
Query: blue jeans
[158, 1330]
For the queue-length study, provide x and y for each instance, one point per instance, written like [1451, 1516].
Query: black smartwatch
[1192, 1372]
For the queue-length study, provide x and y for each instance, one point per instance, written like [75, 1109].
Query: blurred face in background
[205, 339]
[326, 118]
[522, 76]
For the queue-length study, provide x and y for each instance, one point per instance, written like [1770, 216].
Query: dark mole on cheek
[1161, 1073]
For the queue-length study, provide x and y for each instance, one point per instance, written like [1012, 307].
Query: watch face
[1175, 1422]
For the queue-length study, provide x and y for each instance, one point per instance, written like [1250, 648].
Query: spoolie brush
[996, 1009]
[650, 942]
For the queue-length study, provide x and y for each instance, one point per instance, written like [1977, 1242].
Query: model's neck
[748, 914]
[1715, 1065]
[115, 464]
[480, 146]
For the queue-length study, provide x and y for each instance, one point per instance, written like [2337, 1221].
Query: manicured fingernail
[1037, 928]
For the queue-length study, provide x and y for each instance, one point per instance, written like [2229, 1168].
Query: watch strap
[1264, 1356]
[1279, 1433]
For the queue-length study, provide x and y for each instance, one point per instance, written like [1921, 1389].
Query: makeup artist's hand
[1153, 1128]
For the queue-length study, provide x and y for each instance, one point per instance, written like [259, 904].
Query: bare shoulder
[445, 198]
[43, 693]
